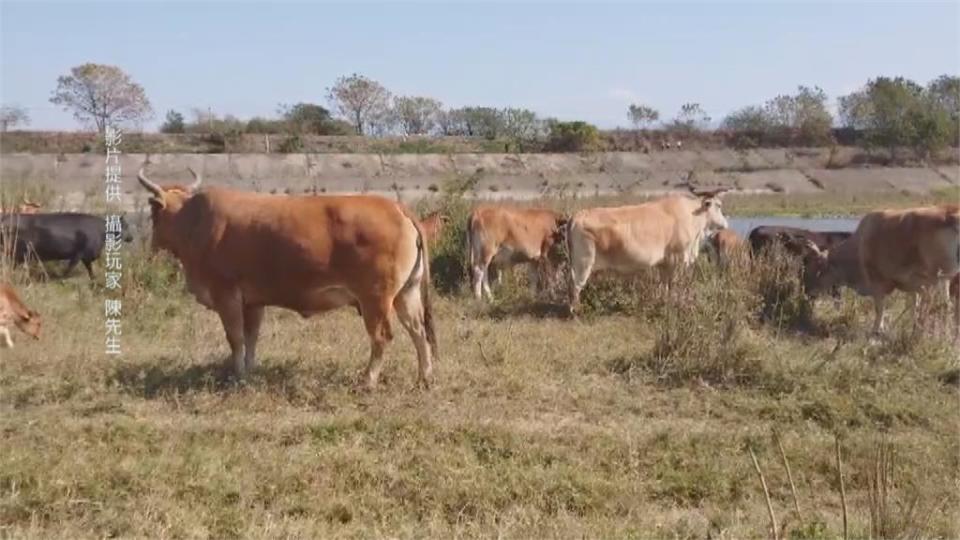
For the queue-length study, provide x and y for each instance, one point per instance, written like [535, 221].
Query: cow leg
[88, 264]
[533, 276]
[497, 278]
[837, 297]
[409, 307]
[494, 271]
[376, 318]
[953, 292]
[252, 317]
[878, 322]
[230, 308]
[5, 332]
[666, 271]
[580, 268]
[917, 310]
[479, 273]
[481, 282]
[70, 266]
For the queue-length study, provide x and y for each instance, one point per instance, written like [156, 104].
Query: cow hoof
[364, 386]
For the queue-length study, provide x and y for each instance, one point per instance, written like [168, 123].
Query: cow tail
[471, 257]
[423, 258]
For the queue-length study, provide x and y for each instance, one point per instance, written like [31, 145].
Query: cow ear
[157, 204]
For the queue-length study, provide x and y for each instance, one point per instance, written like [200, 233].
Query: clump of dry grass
[705, 335]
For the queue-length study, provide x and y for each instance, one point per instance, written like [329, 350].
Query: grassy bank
[635, 421]
[832, 204]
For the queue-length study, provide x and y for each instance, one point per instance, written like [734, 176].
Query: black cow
[792, 238]
[793, 241]
[57, 237]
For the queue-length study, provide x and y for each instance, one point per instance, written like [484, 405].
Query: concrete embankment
[76, 180]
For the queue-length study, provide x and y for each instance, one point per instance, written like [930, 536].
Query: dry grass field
[635, 421]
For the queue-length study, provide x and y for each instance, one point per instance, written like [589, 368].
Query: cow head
[818, 276]
[711, 207]
[165, 203]
[127, 235]
[557, 241]
[30, 323]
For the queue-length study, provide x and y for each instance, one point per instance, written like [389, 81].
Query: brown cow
[665, 233]
[243, 251]
[725, 245]
[12, 310]
[26, 207]
[506, 236]
[432, 225]
[908, 250]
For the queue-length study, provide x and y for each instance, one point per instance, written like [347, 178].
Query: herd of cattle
[242, 251]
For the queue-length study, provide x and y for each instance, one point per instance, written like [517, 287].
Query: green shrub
[776, 277]
[573, 137]
[291, 145]
[448, 257]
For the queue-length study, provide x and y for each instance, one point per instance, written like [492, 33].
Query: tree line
[886, 113]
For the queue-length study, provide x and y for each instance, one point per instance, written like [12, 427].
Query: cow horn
[196, 180]
[150, 186]
[708, 193]
[813, 248]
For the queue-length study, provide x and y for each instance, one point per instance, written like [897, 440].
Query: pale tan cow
[243, 251]
[13, 311]
[506, 236]
[663, 234]
[908, 250]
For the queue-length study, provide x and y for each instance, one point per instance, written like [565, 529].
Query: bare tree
[691, 118]
[360, 100]
[521, 126]
[101, 95]
[642, 115]
[416, 115]
[12, 116]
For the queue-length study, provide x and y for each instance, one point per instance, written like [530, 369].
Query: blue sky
[571, 61]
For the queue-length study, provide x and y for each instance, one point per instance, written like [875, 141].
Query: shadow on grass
[163, 377]
[538, 309]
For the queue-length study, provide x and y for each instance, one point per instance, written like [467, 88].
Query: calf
[12, 310]
[507, 236]
[68, 237]
[725, 245]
